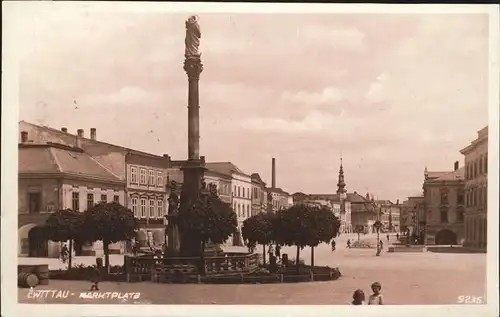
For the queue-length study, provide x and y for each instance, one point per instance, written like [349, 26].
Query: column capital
[193, 67]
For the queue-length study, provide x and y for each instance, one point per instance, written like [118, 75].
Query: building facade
[412, 213]
[143, 174]
[476, 191]
[223, 183]
[54, 177]
[444, 207]
[241, 185]
[259, 195]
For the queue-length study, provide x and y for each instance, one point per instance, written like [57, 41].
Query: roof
[39, 134]
[351, 197]
[256, 178]
[482, 136]
[53, 158]
[459, 174]
[226, 168]
[383, 202]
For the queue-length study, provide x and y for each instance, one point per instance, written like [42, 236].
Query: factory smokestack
[273, 173]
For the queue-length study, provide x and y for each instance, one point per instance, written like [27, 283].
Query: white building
[241, 184]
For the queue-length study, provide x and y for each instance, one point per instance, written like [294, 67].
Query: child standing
[95, 275]
[358, 297]
[376, 297]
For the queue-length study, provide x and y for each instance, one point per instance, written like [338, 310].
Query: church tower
[341, 184]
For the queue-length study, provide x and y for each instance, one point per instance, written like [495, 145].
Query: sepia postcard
[231, 159]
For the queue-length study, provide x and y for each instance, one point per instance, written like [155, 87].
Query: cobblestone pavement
[407, 278]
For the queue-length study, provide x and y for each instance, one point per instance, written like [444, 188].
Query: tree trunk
[70, 254]
[297, 259]
[312, 257]
[105, 246]
[264, 253]
[202, 258]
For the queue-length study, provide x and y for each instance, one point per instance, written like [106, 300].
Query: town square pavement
[406, 278]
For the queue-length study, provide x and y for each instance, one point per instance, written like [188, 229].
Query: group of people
[358, 298]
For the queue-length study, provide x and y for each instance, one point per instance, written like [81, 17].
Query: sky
[389, 93]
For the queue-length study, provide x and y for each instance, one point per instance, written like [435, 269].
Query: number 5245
[470, 299]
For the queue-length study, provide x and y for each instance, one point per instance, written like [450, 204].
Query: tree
[208, 219]
[359, 229]
[258, 229]
[110, 223]
[292, 227]
[64, 225]
[323, 227]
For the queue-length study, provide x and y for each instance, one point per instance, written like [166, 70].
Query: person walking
[376, 297]
[348, 245]
[64, 253]
[334, 245]
[387, 237]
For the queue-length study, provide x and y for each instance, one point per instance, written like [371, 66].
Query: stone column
[194, 167]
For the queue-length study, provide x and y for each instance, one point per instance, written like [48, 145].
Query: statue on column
[193, 35]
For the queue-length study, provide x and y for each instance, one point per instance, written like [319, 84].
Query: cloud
[348, 39]
[127, 96]
[328, 95]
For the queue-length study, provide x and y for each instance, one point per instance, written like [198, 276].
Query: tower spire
[341, 183]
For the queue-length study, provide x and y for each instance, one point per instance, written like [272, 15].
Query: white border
[13, 14]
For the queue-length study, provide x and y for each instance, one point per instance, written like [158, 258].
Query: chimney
[24, 136]
[456, 166]
[93, 133]
[79, 132]
[273, 173]
[65, 130]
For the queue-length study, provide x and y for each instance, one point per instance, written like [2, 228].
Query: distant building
[259, 195]
[389, 215]
[340, 203]
[54, 177]
[241, 184]
[444, 207]
[223, 183]
[144, 174]
[476, 191]
[412, 213]
[279, 199]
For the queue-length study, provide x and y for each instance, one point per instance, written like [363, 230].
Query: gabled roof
[41, 134]
[256, 178]
[227, 168]
[56, 159]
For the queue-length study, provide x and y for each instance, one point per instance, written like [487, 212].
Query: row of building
[357, 213]
[453, 206]
[59, 170]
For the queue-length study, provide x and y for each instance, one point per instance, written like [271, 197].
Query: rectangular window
[133, 175]
[159, 179]
[75, 201]
[116, 199]
[444, 215]
[143, 207]
[160, 208]
[143, 176]
[90, 201]
[104, 198]
[151, 208]
[234, 190]
[486, 164]
[444, 198]
[239, 191]
[460, 214]
[135, 209]
[460, 198]
[35, 201]
[248, 192]
[151, 177]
